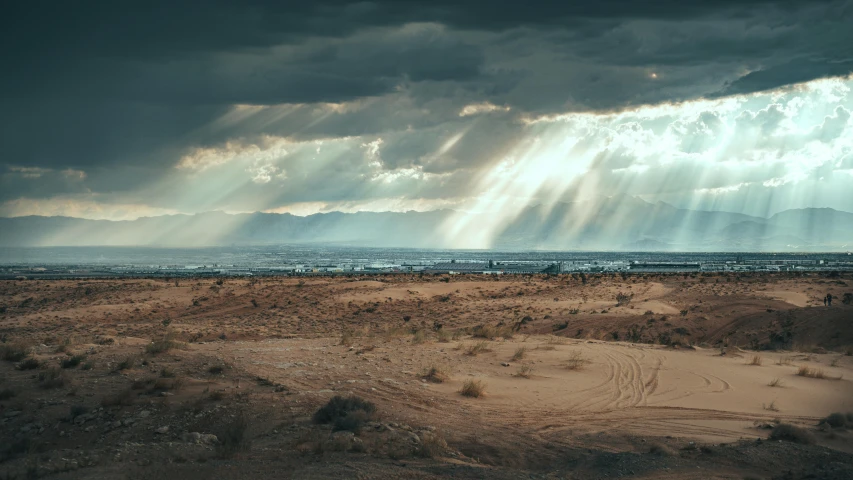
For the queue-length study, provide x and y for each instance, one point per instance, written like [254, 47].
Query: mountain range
[612, 223]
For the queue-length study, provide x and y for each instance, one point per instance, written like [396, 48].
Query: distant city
[76, 262]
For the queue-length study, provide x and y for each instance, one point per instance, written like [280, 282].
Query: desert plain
[675, 376]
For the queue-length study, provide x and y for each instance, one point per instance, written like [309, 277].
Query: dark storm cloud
[120, 90]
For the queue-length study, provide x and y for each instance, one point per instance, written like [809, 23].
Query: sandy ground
[685, 378]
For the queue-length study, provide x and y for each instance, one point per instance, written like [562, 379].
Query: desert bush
[162, 345]
[345, 413]
[444, 336]
[126, 364]
[662, 450]
[29, 364]
[756, 360]
[166, 384]
[475, 349]
[623, 298]
[776, 382]
[14, 352]
[524, 371]
[88, 366]
[434, 374]
[791, 433]
[233, 437]
[785, 361]
[519, 354]
[576, 361]
[811, 372]
[53, 378]
[485, 331]
[770, 406]
[432, 445]
[847, 299]
[215, 370]
[419, 337]
[72, 362]
[346, 339]
[123, 398]
[473, 388]
[167, 372]
[838, 420]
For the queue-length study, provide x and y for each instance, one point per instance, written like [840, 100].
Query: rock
[12, 413]
[167, 394]
[504, 364]
[162, 430]
[193, 437]
[209, 439]
[144, 414]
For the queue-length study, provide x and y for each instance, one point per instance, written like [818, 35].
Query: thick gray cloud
[123, 91]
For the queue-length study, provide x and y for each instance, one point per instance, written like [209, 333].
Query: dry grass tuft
[163, 345]
[346, 339]
[444, 336]
[419, 337]
[771, 407]
[576, 361]
[525, 371]
[519, 354]
[435, 374]
[475, 349]
[811, 372]
[756, 360]
[473, 388]
[776, 382]
[785, 361]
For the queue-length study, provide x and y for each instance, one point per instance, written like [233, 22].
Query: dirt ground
[581, 376]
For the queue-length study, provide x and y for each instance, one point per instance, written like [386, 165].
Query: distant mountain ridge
[614, 223]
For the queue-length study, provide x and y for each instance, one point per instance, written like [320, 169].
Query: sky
[116, 110]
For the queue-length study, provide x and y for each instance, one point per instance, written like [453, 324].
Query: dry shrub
[14, 351]
[485, 331]
[785, 361]
[345, 413]
[233, 437]
[770, 406]
[419, 337]
[72, 362]
[776, 382]
[475, 349]
[812, 372]
[162, 345]
[444, 336]
[123, 398]
[53, 378]
[6, 394]
[519, 354]
[127, 363]
[756, 360]
[576, 361]
[346, 339]
[790, 433]
[432, 445]
[838, 420]
[546, 347]
[473, 388]
[525, 371]
[29, 364]
[662, 450]
[435, 374]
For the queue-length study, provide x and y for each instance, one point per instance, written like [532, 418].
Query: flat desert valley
[689, 376]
